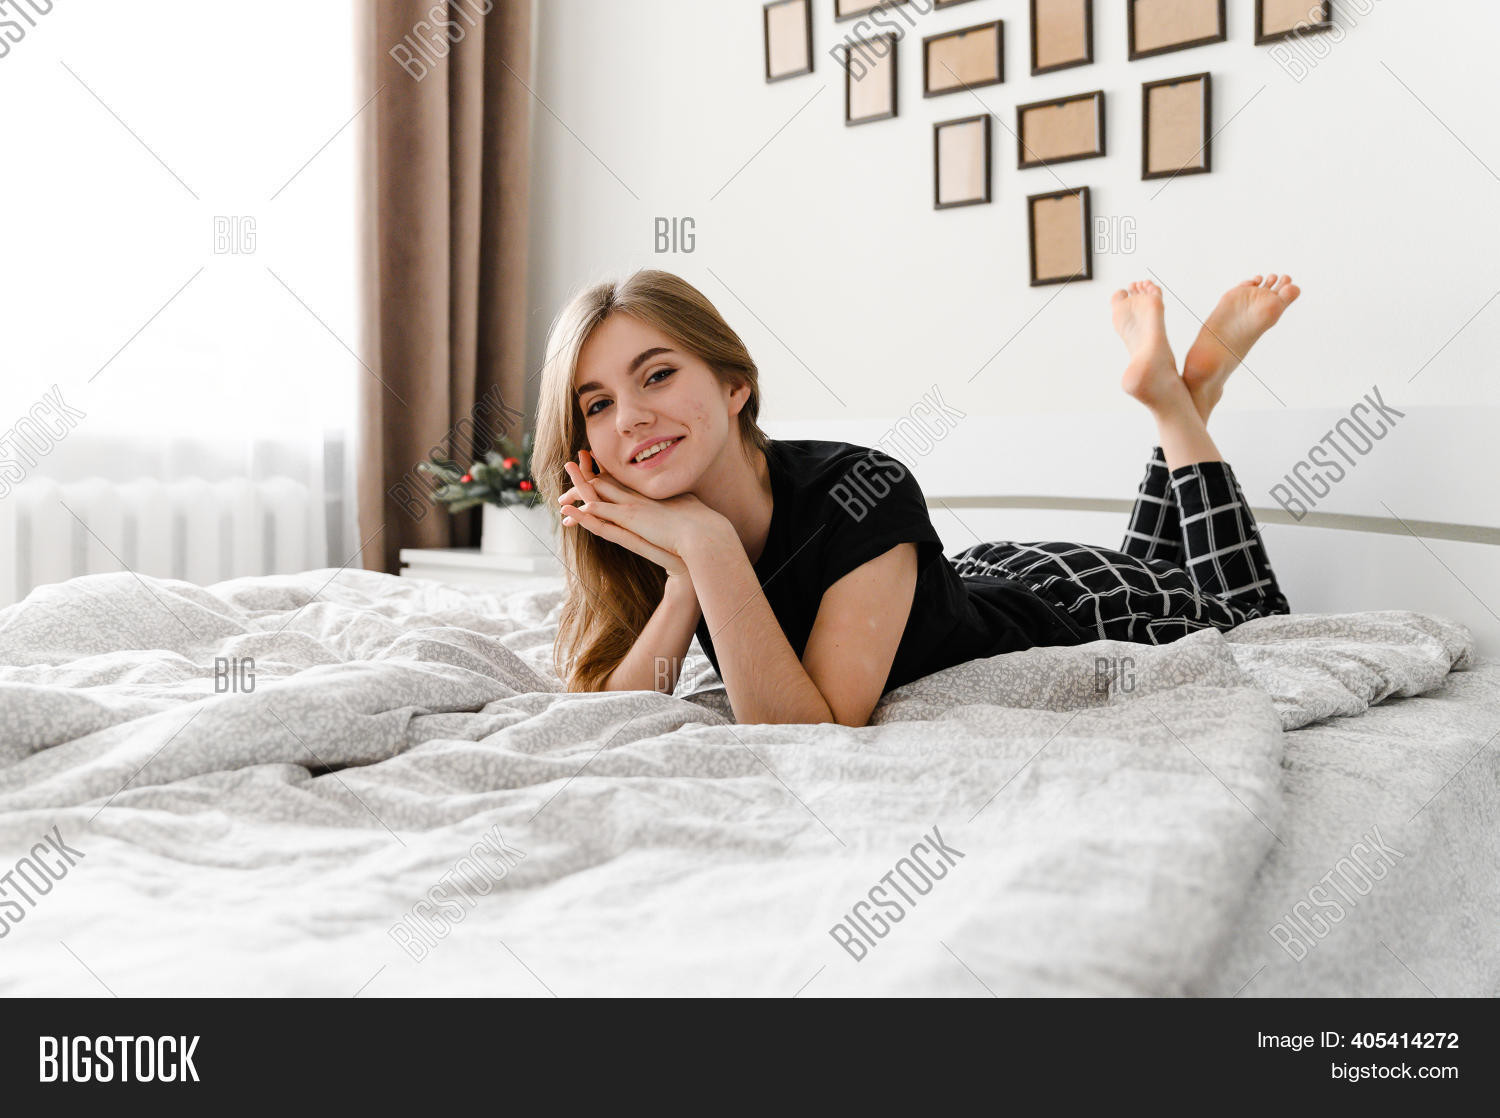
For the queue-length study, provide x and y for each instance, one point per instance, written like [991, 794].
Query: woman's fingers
[597, 525]
[587, 466]
[584, 480]
[605, 507]
[627, 539]
[575, 474]
[604, 487]
[609, 490]
[581, 490]
[606, 480]
[602, 510]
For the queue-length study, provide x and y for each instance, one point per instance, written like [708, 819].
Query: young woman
[809, 570]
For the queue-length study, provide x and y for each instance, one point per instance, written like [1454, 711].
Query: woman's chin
[656, 487]
[662, 491]
[660, 482]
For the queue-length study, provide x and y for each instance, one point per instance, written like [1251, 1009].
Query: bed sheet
[1387, 878]
[408, 801]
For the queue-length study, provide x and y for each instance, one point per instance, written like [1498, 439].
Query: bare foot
[1245, 312]
[1151, 377]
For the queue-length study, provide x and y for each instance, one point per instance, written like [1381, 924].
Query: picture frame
[1163, 26]
[1060, 130]
[1062, 35]
[853, 9]
[1177, 127]
[1058, 225]
[961, 162]
[787, 25]
[873, 95]
[965, 58]
[1276, 20]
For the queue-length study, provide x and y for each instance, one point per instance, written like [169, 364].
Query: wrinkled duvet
[340, 783]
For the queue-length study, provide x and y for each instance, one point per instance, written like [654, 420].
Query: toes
[1254, 282]
[1120, 294]
[1289, 292]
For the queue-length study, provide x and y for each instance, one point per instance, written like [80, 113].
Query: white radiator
[189, 529]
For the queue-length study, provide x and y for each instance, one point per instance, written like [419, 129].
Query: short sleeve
[873, 503]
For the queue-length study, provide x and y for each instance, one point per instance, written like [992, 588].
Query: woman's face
[635, 388]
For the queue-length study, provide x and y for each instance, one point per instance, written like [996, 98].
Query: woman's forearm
[765, 680]
[655, 659]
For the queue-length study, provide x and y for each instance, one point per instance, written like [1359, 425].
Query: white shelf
[472, 559]
[468, 566]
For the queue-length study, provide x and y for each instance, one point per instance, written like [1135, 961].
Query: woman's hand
[658, 530]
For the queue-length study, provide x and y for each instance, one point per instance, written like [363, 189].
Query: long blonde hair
[612, 591]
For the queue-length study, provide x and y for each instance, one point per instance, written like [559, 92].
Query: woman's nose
[630, 417]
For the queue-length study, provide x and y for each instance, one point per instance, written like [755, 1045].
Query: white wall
[828, 251]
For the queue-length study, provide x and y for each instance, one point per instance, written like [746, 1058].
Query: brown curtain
[446, 144]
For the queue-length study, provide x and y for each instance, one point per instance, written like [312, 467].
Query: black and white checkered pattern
[1192, 559]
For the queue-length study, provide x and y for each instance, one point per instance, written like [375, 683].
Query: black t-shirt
[835, 506]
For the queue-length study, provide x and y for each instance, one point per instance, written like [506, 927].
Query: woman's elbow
[825, 716]
[853, 719]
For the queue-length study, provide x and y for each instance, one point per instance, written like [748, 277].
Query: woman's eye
[592, 408]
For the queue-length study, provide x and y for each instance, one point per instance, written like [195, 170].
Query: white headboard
[1413, 524]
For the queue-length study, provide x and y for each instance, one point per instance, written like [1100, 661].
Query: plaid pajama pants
[1192, 559]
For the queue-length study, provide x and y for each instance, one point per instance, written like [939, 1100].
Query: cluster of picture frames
[1176, 113]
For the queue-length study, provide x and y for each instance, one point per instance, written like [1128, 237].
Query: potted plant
[515, 523]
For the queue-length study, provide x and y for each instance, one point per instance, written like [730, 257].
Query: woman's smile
[655, 459]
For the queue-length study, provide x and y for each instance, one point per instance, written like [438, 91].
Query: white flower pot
[519, 530]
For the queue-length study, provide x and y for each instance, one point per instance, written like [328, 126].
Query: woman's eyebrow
[641, 359]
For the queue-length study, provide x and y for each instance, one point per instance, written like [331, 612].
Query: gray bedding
[409, 802]
[1422, 775]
